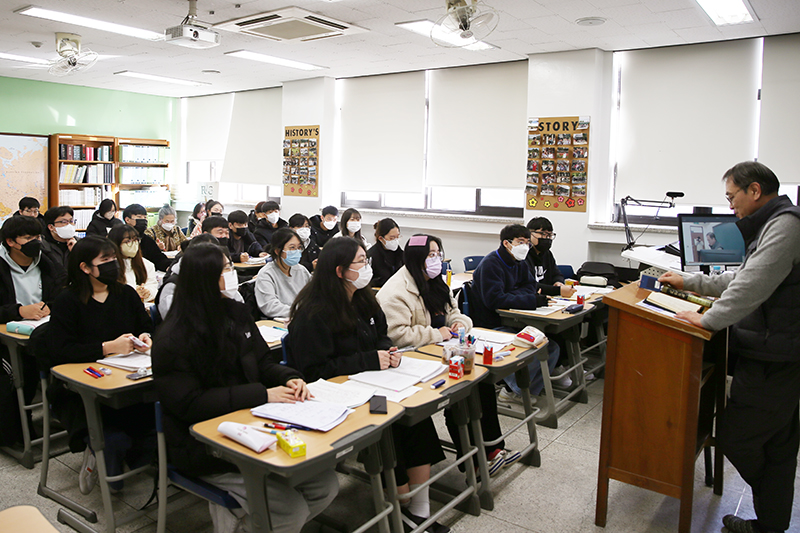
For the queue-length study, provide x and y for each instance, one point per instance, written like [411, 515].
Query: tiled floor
[558, 497]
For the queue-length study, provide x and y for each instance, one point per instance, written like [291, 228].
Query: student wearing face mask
[242, 244]
[29, 282]
[104, 219]
[94, 317]
[503, 281]
[279, 282]
[209, 360]
[302, 226]
[386, 254]
[325, 226]
[166, 233]
[60, 235]
[541, 262]
[135, 270]
[196, 220]
[214, 208]
[350, 226]
[337, 328]
[135, 216]
[269, 222]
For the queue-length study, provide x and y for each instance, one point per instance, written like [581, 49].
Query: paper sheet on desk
[660, 310]
[410, 372]
[541, 311]
[495, 339]
[271, 334]
[479, 344]
[314, 415]
[256, 261]
[132, 361]
[348, 394]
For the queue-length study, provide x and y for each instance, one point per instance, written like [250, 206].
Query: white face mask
[329, 224]
[520, 251]
[231, 284]
[303, 233]
[392, 245]
[353, 226]
[273, 217]
[167, 226]
[364, 277]
[66, 232]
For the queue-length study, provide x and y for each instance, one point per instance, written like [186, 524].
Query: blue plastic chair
[168, 474]
[567, 271]
[471, 262]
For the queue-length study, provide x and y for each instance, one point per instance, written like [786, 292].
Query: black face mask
[240, 232]
[141, 225]
[223, 241]
[108, 272]
[544, 245]
[32, 248]
[213, 214]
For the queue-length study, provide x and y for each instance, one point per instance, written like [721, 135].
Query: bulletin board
[558, 164]
[301, 161]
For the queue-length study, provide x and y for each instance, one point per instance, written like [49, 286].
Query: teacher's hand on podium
[673, 279]
[691, 317]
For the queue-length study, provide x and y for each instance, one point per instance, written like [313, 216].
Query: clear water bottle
[716, 270]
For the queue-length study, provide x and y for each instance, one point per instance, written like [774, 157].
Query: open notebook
[410, 372]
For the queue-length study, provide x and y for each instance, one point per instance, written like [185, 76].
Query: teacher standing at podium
[760, 432]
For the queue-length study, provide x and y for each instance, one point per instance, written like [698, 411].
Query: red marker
[89, 371]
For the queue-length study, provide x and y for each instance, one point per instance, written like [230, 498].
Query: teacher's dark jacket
[188, 396]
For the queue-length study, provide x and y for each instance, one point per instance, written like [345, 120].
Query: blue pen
[437, 384]
[280, 328]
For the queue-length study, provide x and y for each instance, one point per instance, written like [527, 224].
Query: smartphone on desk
[377, 405]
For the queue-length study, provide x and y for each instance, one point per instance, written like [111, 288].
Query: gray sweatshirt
[27, 282]
[742, 292]
[275, 291]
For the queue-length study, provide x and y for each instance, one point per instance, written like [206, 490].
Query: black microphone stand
[643, 203]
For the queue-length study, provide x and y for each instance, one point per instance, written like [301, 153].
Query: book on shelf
[81, 152]
[699, 300]
[84, 196]
[671, 303]
[73, 173]
[142, 175]
[132, 153]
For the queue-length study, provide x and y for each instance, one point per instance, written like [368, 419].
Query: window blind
[477, 126]
[382, 132]
[207, 121]
[780, 106]
[254, 151]
[686, 115]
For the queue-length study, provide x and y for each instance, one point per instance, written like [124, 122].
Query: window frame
[480, 210]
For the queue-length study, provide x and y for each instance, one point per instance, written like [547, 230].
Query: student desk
[25, 518]
[569, 326]
[13, 341]
[116, 391]
[458, 280]
[664, 380]
[421, 405]
[516, 363]
[323, 451]
[248, 268]
[273, 324]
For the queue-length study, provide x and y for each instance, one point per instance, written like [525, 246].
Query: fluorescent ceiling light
[164, 79]
[424, 27]
[244, 54]
[24, 59]
[724, 12]
[33, 11]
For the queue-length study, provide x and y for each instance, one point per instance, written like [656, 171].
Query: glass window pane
[404, 200]
[228, 193]
[274, 191]
[453, 198]
[502, 198]
[250, 192]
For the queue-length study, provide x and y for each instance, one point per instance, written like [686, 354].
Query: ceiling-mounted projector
[191, 33]
[191, 36]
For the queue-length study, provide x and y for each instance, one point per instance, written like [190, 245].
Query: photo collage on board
[558, 161]
[300, 162]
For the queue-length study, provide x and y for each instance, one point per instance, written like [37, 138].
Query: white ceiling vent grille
[290, 24]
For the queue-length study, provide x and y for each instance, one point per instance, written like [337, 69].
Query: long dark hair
[87, 250]
[117, 235]
[196, 211]
[279, 240]
[383, 227]
[197, 310]
[105, 206]
[435, 292]
[326, 293]
[346, 216]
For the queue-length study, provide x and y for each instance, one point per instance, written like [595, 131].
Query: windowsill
[635, 228]
[389, 213]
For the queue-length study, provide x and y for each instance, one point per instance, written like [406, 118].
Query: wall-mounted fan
[466, 22]
[73, 58]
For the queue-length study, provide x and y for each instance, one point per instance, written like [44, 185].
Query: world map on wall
[23, 171]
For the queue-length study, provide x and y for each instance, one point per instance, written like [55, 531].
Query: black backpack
[596, 268]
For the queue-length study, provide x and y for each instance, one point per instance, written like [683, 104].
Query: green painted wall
[42, 108]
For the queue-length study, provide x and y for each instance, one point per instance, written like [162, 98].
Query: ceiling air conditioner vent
[289, 24]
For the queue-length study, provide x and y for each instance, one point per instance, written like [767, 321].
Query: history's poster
[301, 161]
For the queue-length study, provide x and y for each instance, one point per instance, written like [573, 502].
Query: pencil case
[19, 328]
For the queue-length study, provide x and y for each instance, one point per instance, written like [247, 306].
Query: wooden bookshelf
[124, 165]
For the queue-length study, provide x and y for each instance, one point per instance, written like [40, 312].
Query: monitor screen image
[708, 240]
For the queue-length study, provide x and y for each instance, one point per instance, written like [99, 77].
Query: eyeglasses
[365, 261]
[61, 223]
[227, 268]
[545, 235]
[730, 197]
[432, 255]
[135, 240]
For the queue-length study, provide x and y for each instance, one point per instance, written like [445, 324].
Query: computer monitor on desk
[708, 240]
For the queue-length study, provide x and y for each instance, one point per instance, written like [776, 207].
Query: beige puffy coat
[408, 319]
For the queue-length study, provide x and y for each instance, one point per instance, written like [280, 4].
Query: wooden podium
[664, 378]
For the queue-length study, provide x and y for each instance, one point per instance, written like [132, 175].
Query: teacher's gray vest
[771, 332]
